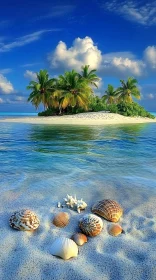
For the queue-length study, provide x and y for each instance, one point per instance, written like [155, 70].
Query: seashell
[24, 220]
[115, 230]
[108, 209]
[79, 238]
[61, 219]
[59, 204]
[64, 248]
[91, 224]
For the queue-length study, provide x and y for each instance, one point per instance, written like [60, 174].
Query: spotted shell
[108, 209]
[115, 230]
[24, 220]
[64, 248]
[91, 224]
[79, 238]
[61, 219]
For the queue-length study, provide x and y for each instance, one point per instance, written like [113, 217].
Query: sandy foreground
[130, 256]
[97, 118]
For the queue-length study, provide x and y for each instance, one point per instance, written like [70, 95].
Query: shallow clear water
[37, 155]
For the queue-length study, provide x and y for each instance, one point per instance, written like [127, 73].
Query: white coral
[72, 202]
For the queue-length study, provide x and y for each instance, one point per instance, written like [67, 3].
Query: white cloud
[30, 64]
[24, 40]
[150, 56]
[122, 65]
[151, 96]
[15, 100]
[5, 86]
[83, 51]
[117, 64]
[57, 11]
[30, 75]
[144, 14]
[5, 71]
[1, 101]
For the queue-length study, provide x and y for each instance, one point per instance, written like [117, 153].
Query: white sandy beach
[27, 256]
[97, 118]
[130, 256]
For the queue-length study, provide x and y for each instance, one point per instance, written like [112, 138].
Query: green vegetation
[73, 93]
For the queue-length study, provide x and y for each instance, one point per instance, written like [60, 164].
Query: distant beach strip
[90, 118]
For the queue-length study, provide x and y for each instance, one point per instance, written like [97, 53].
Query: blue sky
[118, 38]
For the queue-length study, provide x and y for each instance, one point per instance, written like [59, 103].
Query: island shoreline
[96, 118]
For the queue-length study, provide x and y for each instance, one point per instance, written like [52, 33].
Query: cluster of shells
[90, 225]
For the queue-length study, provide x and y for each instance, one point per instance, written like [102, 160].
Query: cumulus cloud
[30, 75]
[150, 56]
[122, 65]
[83, 51]
[1, 101]
[5, 86]
[119, 64]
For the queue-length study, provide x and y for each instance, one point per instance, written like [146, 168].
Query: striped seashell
[91, 224]
[24, 220]
[79, 238]
[108, 209]
[64, 248]
[61, 219]
[115, 230]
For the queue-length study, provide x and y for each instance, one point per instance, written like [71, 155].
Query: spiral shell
[61, 219]
[24, 220]
[79, 238]
[115, 230]
[64, 248]
[108, 209]
[91, 224]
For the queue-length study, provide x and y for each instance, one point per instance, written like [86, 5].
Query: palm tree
[89, 76]
[42, 89]
[111, 95]
[72, 91]
[128, 89]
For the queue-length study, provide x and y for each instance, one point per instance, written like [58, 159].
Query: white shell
[64, 248]
[24, 220]
[91, 224]
[59, 204]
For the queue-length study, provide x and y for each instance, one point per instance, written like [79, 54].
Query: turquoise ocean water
[80, 156]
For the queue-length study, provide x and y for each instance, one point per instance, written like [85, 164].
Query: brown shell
[91, 224]
[115, 230]
[79, 238]
[108, 209]
[24, 220]
[61, 219]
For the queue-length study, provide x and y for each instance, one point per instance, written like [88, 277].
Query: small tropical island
[73, 93]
